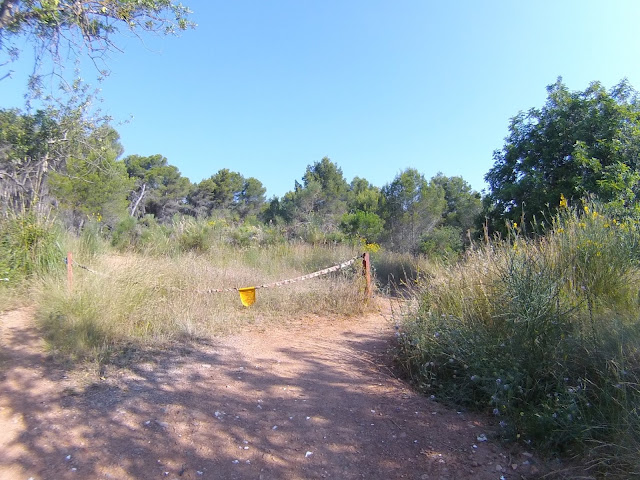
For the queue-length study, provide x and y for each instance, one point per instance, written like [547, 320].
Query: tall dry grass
[141, 299]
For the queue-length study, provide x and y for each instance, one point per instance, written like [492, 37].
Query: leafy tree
[251, 198]
[217, 192]
[301, 205]
[443, 241]
[272, 212]
[93, 181]
[363, 219]
[26, 155]
[463, 204]
[160, 189]
[577, 144]
[459, 219]
[227, 191]
[59, 27]
[618, 187]
[411, 207]
[363, 196]
[360, 224]
[319, 201]
[333, 186]
[32, 146]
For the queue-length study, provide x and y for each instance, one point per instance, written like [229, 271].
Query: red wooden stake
[366, 270]
[70, 271]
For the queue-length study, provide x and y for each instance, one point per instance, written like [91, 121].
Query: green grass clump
[29, 247]
[544, 334]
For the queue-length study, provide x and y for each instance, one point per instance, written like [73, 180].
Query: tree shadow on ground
[270, 408]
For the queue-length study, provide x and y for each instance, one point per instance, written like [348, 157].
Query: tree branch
[135, 206]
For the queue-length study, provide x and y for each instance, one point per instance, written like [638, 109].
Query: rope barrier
[247, 294]
[76, 264]
[280, 283]
[308, 276]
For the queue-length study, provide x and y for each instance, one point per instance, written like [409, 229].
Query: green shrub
[29, 246]
[245, 235]
[191, 235]
[126, 234]
[541, 333]
[442, 242]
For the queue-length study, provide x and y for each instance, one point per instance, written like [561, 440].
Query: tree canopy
[227, 191]
[58, 27]
[411, 207]
[25, 156]
[577, 144]
[160, 189]
[93, 182]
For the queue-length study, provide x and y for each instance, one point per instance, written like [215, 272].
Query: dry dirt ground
[311, 399]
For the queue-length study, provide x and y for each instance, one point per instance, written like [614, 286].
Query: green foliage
[411, 207]
[464, 205]
[94, 182]
[332, 183]
[443, 242]
[577, 144]
[28, 247]
[192, 236]
[402, 215]
[92, 239]
[366, 225]
[25, 155]
[363, 196]
[160, 189]
[185, 234]
[251, 198]
[542, 333]
[317, 204]
[227, 191]
[52, 26]
[245, 235]
[124, 234]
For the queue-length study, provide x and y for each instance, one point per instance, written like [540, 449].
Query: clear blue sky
[266, 88]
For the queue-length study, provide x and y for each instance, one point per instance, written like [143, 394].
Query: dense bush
[541, 333]
[28, 246]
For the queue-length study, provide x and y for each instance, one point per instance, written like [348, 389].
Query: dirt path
[309, 400]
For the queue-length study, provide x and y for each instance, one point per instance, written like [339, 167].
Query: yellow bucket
[247, 296]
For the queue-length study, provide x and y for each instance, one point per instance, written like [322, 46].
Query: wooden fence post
[366, 270]
[70, 271]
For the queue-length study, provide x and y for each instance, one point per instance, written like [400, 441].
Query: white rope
[308, 276]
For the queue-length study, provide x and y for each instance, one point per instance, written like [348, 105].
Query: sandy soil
[311, 399]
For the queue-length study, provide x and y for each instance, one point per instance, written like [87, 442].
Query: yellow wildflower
[372, 247]
[563, 201]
